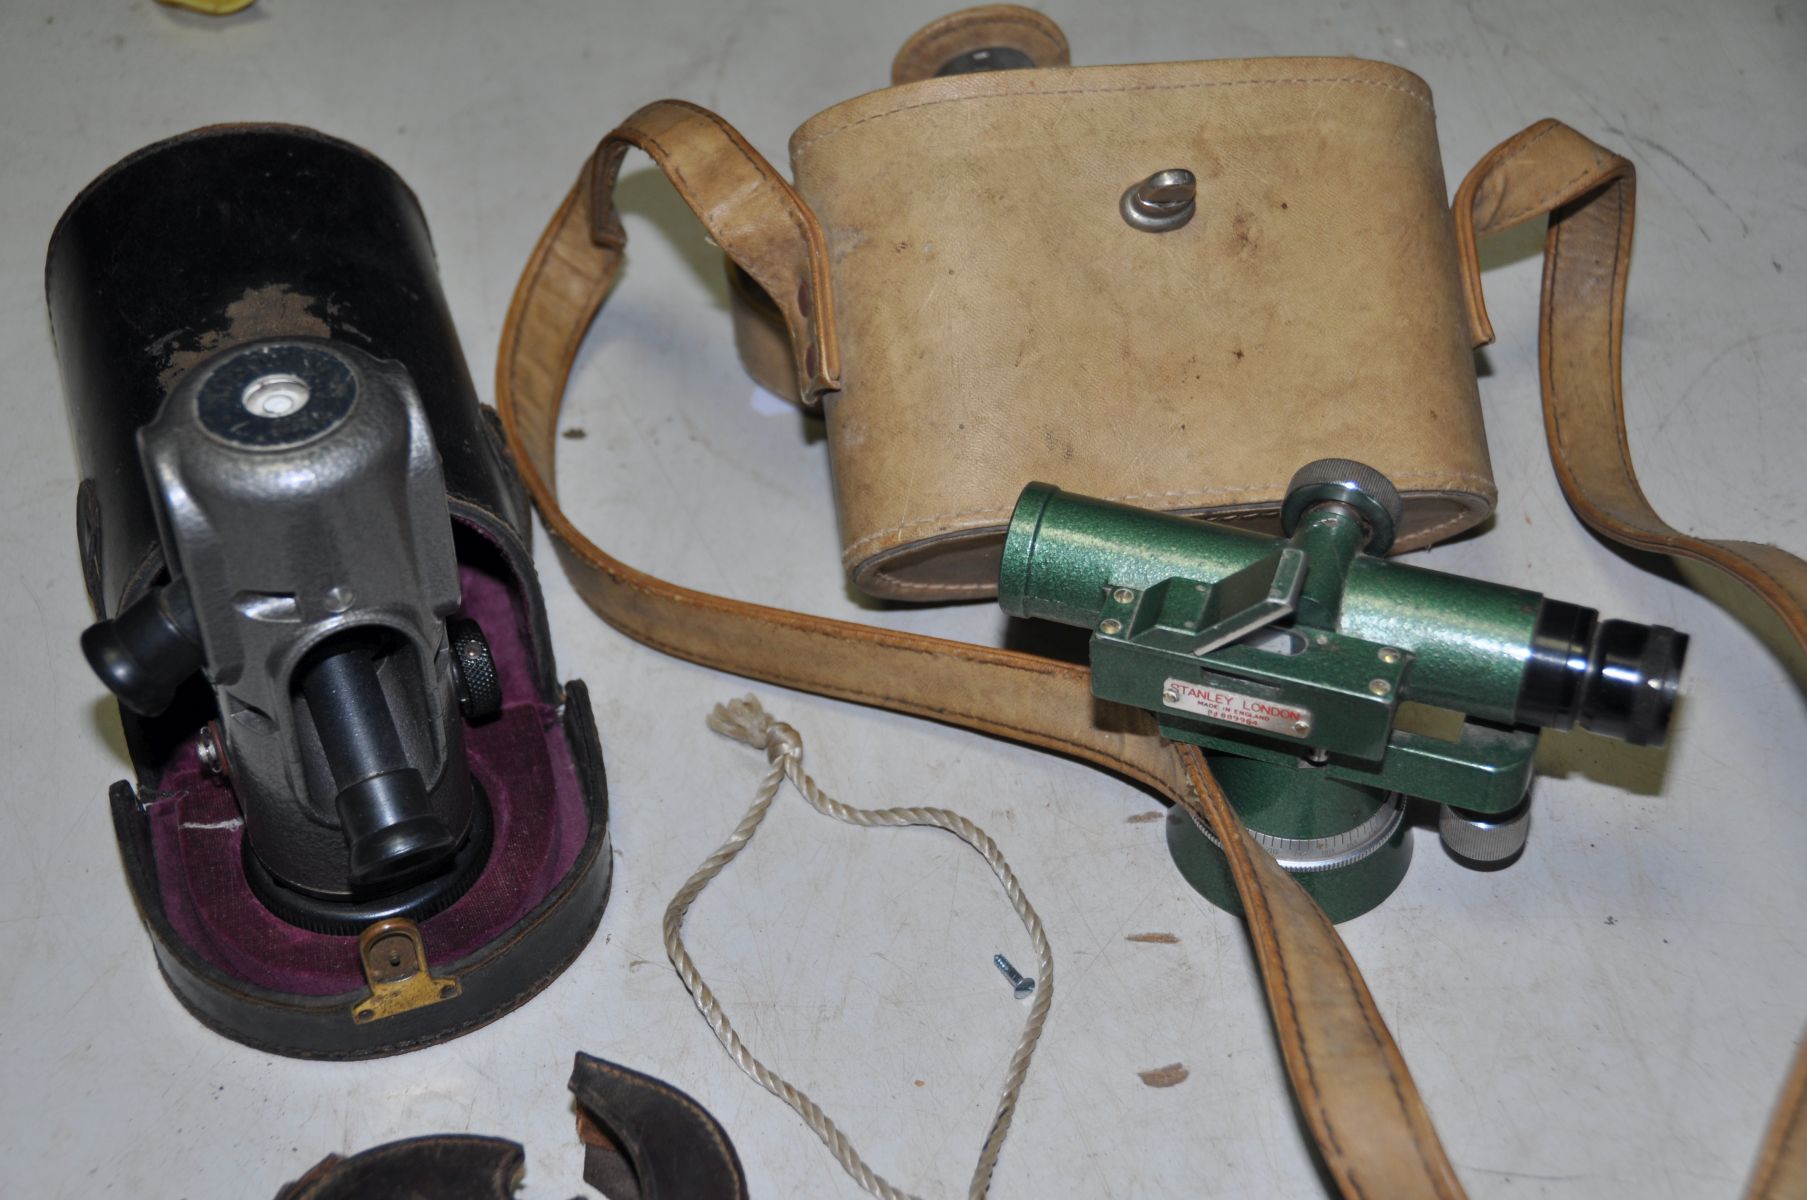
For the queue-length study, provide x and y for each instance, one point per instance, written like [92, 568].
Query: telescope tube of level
[1494, 652]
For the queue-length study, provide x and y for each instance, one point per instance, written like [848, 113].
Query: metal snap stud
[1165, 200]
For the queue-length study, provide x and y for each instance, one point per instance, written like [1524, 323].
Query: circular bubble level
[271, 396]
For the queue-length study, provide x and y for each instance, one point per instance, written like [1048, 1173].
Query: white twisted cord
[745, 721]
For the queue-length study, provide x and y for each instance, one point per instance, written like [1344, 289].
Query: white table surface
[1610, 1017]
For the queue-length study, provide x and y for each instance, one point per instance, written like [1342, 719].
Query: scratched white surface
[1610, 1017]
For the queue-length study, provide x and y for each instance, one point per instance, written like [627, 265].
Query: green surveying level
[1327, 683]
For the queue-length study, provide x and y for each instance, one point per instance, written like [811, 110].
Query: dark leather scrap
[646, 1140]
[442, 1166]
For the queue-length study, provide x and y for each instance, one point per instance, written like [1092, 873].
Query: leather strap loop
[1590, 194]
[751, 212]
[1342, 1059]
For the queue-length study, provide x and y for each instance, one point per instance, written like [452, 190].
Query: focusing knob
[149, 650]
[1345, 481]
[479, 686]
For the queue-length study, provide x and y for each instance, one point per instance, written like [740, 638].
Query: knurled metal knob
[1345, 481]
[1485, 839]
[479, 686]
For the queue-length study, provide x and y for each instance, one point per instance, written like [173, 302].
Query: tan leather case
[1000, 321]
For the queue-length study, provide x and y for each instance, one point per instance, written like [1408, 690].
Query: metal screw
[1301, 727]
[1379, 687]
[1323, 639]
[1170, 696]
[208, 751]
[1389, 655]
[1165, 200]
[1110, 627]
[1123, 595]
[1023, 986]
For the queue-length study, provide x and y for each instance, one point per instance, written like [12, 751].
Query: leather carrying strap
[1358, 1098]
[1590, 195]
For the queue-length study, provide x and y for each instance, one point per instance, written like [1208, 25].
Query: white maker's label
[1236, 708]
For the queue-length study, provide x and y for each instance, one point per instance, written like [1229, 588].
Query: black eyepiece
[391, 829]
[1616, 678]
[1632, 679]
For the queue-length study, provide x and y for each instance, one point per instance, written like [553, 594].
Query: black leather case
[236, 233]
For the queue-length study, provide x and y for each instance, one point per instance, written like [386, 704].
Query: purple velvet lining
[523, 762]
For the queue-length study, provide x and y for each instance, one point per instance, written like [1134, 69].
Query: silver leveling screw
[1023, 986]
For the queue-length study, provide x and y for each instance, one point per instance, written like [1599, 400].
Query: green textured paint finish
[1363, 635]
[1488, 770]
[1328, 687]
[1062, 552]
[1471, 639]
[1343, 894]
[1331, 537]
[1294, 800]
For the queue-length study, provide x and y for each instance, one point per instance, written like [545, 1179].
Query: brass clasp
[395, 964]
